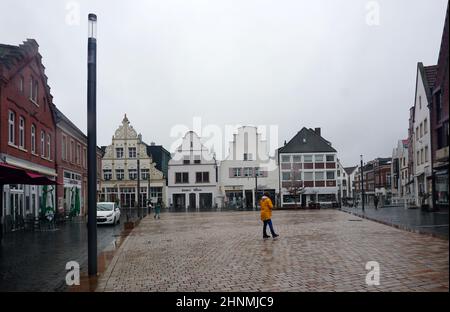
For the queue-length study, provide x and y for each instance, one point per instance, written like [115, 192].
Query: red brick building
[377, 180]
[71, 165]
[27, 130]
[439, 124]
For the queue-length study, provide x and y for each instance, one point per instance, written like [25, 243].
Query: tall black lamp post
[92, 144]
[362, 183]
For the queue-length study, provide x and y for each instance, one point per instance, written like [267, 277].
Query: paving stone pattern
[318, 250]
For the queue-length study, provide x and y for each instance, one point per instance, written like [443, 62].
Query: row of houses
[43, 161]
[420, 161]
[302, 172]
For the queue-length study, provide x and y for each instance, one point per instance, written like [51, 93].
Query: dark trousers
[269, 222]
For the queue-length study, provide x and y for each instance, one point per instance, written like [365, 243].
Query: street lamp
[256, 188]
[362, 183]
[92, 143]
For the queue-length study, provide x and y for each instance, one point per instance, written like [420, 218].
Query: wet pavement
[415, 220]
[36, 260]
[318, 250]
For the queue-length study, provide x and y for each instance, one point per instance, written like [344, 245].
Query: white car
[108, 213]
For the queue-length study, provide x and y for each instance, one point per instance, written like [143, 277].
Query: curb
[397, 226]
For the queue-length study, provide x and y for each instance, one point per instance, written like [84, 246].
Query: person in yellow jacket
[266, 215]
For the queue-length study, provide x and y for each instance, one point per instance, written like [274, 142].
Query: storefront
[441, 188]
[26, 197]
[73, 195]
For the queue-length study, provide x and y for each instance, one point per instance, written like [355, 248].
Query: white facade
[193, 176]
[401, 188]
[119, 170]
[422, 142]
[248, 170]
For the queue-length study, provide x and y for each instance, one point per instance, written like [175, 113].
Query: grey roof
[307, 141]
[349, 170]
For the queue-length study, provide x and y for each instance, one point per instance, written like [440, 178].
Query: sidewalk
[36, 260]
[414, 220]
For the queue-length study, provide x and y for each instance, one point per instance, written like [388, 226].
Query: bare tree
[295, 188]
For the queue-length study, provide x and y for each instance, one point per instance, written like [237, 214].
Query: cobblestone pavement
[416, 220]
[320, 250]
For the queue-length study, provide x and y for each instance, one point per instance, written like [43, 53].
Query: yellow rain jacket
[266, 208]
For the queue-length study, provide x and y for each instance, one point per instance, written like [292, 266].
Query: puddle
[104, 258]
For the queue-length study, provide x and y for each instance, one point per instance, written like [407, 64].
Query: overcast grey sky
[287, 63]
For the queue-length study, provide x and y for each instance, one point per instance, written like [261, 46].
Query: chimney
[284, 142]
[317, 131]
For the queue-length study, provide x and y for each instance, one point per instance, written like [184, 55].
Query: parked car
[108, 213]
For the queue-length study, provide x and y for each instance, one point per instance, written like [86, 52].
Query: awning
[14, 175]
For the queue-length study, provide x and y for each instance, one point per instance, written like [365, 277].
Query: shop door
[192, 203]
[205, 200]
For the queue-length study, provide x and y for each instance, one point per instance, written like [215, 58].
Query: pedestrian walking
[158, 208]
[266, 215]
[375, 202]
[149, 206]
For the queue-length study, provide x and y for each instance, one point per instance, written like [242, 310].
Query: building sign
[72, 179]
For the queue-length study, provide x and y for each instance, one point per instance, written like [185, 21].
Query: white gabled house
[193, 176]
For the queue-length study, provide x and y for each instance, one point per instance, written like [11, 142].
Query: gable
[307, 141]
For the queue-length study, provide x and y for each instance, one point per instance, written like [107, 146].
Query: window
[202, 177]
[84, 157]
[426, 153]
[248, 156]
[319, 158]
[286, 176]
[438, 103]
[421, 130]
[420, 102]
[425, 126]
[21, 82]
[417, 133]
[330, 158]
[33, 90]
[248, 172]
[236, 172]
[78, 154]
[319, 175]
[132, 174]
[257, 172]
[330, 175]
[42, 144]
[11, 127]
[418, 158]
[63, 147]
[107, 174]
[308, 176]
[297, 158]
[119, 152]
[186, 160]
[339, 174]
[285, 159]
[421, 156]
[33, 139]
[145, 173]
[307, 159]
[132, 152]
[21, 132]
[72, 151]
[48, 146]
[120, 174]
[181, 177]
